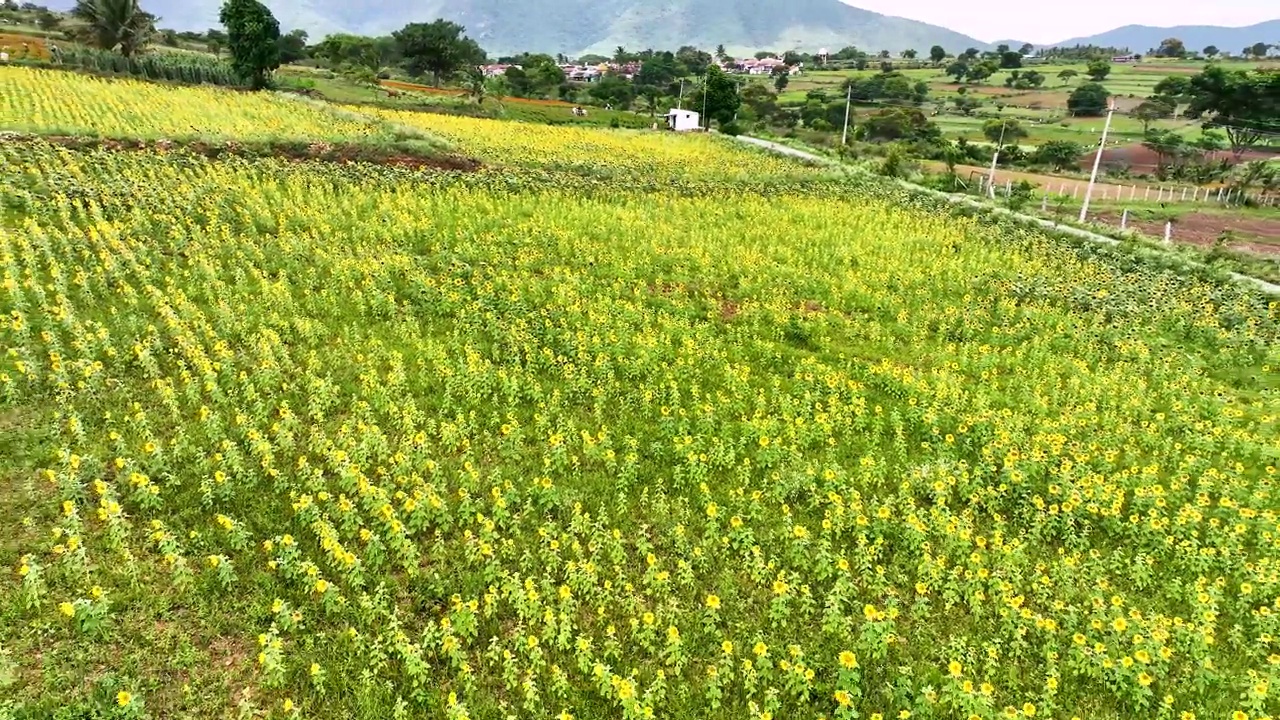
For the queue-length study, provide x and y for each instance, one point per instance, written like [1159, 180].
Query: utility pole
[991, 179]
[1097, 161]
[848, 101]
[706, 78]
[680, 101]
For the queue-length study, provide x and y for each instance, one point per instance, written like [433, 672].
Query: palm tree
[111, 24]
[474, 82]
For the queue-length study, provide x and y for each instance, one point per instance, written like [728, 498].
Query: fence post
[1168, 231]
[1124, 219]
[1219, 198]
[1147, 194]
[1075, 191]
[1008, 188]
[1044, 202]
[1133, 190]
[1184, 193]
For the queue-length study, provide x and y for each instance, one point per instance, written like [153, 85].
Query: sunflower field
[56, 102]
[316, 440]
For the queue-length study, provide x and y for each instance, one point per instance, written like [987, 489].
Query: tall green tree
[1150, 110]
[253, 39]
[1171, 48]
[440, 48]
[719, 97]
[114, 24]
[937, 54]
[1098, 69]
[293, 46]
[1090, 99]
[1244, 104]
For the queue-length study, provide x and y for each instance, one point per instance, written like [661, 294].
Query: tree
[965, 104]
[719, 95]
[971, 54]
[1033, 78]
[112, 24]
[1244, 104]
[48, 21]
[1166, 144]
[1174, 90]
[1171, 48]
[884, 55]
[1058, 154]
[1002, 48]
[1098, 69]
[1211, 51]
[1150, 110]
[1010, 59]
[1066, 75]
[293, 47]
[613, 90]
[1010, 130]
[909, 54]
[1090, 99]
[959, 70]
[1259, 49]
[760, 100]
[474, 82]
[781, 80]
[899, 124]
[253, 37]
[937, 54]
[1026, 49]
[440, 48]
[214, 47]
[720, 53]
[982, 71]
[620, 54]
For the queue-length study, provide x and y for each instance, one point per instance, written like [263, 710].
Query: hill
[580, 26]
[1141, 38]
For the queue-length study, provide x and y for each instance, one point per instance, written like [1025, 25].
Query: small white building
[683, 120]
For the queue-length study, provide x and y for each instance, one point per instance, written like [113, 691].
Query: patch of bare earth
[1204, 229]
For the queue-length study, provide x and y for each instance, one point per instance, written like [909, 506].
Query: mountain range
[576, 27]
[1141, 38]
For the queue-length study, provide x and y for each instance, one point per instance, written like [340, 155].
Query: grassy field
[1042, 111]
[620, 425]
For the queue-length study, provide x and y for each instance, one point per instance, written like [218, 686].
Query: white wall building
[682, 120]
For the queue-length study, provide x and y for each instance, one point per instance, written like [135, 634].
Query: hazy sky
[1049, 21]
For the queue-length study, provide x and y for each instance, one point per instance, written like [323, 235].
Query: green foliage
[1244, 104]
[440, 48]
[1089, 99]
[937, 54]
[718, 96]
[899, 124]
[1151, 110]
[1098, 69]
[1171, 48]
[1058, 154]
[293, 47]
[170, 67]
[113, 24]
[253, 39]
[1008, 131]
[371, 52]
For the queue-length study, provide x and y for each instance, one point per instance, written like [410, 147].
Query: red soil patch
[1139, 156]
[1203, 229]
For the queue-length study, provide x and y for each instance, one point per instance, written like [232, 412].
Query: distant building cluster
[762, 66]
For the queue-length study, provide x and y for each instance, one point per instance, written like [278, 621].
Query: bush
[731, 128]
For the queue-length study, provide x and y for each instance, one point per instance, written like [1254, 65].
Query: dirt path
[1139, 191]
